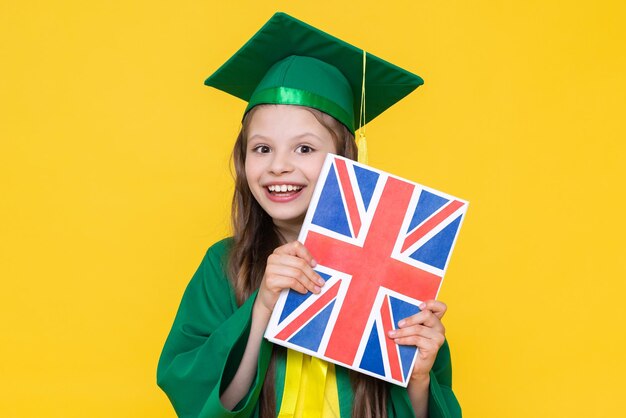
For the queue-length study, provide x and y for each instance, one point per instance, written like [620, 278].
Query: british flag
[382, 245]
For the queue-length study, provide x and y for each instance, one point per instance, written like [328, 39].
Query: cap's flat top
[283, 36]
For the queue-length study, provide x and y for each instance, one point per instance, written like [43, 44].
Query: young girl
[215, 362]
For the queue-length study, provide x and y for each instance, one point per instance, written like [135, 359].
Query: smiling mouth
[283, 193]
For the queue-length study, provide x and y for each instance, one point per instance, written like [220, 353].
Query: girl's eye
[304, 149]
[263, 149]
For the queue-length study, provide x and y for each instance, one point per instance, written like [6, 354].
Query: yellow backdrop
[114, 180]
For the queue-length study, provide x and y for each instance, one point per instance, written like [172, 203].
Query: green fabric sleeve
[441, 400]
[206, 343]
[442, 403]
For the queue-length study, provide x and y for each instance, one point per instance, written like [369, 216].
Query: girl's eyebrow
[257, 136]
[302, 135]
[306, 134]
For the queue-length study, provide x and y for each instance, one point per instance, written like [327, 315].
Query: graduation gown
[207, 340]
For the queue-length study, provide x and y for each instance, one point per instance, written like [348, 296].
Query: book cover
[382, 244]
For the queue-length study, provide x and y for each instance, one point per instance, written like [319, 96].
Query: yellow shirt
[310, 388]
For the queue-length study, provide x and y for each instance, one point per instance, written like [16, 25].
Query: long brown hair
[255, 238]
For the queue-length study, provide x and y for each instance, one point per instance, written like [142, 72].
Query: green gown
[207, 341]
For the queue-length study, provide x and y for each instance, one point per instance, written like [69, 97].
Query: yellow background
[114, 180]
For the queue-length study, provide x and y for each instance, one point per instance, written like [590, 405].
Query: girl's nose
[281, 164]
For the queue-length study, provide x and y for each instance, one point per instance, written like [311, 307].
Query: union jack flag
[382, 245]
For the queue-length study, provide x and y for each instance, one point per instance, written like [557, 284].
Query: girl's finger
[421, 343]
[284, 282]
[297, 249]
[425, 317]
[281, 270]
[419, 330]
[437, 307]
[297, 263]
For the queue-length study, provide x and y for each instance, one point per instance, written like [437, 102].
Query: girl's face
[284, 156]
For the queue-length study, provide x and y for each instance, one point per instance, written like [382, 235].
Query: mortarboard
[290, 62]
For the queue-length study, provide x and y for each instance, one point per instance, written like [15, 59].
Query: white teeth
[282, 188]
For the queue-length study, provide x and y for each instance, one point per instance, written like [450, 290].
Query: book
[382, 244]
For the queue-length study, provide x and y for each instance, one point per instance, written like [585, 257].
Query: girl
[215, 362]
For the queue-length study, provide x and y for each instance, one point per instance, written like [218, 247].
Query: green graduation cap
[290, 62]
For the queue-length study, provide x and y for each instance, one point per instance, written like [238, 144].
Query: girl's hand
[290, 266]
[425, 331]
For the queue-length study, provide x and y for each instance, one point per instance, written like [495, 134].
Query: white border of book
[273, 328]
